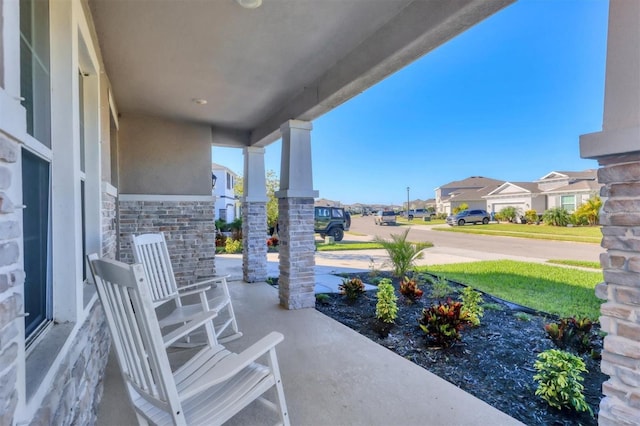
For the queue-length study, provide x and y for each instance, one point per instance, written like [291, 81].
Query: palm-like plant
[556, 216]
[590, 210]
[402, 253]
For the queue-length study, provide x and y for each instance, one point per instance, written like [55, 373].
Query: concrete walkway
[331, 374]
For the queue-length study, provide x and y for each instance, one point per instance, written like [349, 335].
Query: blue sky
[507, 99]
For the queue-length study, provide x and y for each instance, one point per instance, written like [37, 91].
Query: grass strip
[560, 291]
[348, 245]
[541, 232]
[579, 263]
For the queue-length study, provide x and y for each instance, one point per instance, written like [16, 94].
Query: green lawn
[580, 263]
[347, 245]
[562, 291]
[419, 221]
[581, 234]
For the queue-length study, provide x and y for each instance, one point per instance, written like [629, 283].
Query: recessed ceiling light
[199, 101]
[249, 4]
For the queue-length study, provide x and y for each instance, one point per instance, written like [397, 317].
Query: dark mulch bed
[494, 361]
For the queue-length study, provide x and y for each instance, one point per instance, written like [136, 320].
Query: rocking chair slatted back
[151, 251]
[136, 334]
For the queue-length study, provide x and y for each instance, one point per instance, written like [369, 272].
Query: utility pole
[407, 203]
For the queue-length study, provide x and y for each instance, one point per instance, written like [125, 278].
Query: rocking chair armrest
[234, 363]
[208, 282]
[196, 291]
[191, 324]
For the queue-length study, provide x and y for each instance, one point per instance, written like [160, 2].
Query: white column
[295, 204]
[254, 216]
[617, 149]
[296, 171]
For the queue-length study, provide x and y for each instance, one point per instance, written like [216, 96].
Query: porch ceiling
[258, 68]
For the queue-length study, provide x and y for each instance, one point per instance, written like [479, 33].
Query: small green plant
[233, 246]
[352, 288]
[441, 288]
[322, 298]
[409, 289]
[472, 305]
[373, 271]
[272, 281]
[522, 316]
[492, 307]
[559, 380]
[443, 322]
[571, 333]
[461, 207]
[402, 253]
[386, 308]
[508, 213]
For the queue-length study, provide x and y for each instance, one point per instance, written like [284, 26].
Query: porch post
[295, 206]
[254, 217]
[617, 149]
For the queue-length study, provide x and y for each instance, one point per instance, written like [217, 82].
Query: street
[542, 249]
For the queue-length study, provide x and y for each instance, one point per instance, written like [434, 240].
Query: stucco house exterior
[109, 109]
[469, 191]
[555, 189]
[227, 205]
[569, 189]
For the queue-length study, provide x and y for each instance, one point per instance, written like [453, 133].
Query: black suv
[331, 221]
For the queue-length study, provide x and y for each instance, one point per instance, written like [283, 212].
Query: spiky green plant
[556, 216]
[402, 253]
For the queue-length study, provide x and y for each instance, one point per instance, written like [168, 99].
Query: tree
[273, 184]
[590, 210]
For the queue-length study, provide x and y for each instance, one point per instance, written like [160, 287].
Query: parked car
[469, 216]
[332, 221]
[385, 217]
[417, 213]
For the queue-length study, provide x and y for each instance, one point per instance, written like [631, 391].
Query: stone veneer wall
[109, 230]
[254, 241]
[11, 281]
[78, 386]
[621, 313]
[297, 278]
[189, 229]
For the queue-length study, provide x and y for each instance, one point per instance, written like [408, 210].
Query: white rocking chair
[151, 251]
[210, 388]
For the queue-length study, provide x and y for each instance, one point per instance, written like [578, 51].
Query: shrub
[233, 246]
[443, 322]
[272, 242]
[461, 207]
[386, 308]
[571, 333]
[531, 216]
[220, 240]
[471, 305]
[352, 288]
[402, 253]
[441, 216]
[409, 289]
[560, 381]
[441, 288]
[556, 216]
[508, 213]
[522, 316]
[589, 212]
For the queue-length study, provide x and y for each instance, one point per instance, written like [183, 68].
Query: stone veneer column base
[254, 241]
[188, 227]
[297, 276]
[621, 313]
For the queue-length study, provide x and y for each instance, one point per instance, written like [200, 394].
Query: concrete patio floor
[331, 374]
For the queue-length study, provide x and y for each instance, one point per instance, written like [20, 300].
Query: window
[229, 182]
[34, 68]
[36, 223]
[568, 202]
